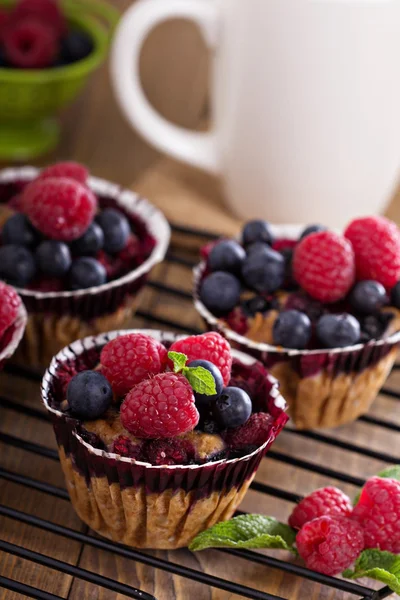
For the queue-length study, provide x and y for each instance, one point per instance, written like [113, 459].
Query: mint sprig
[199, 378]
[379, 565]
[392, 472]
[247, 531]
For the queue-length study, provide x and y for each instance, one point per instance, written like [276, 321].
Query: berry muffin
[159, 436]
[13, 319]
[319, 309]
[78, 250]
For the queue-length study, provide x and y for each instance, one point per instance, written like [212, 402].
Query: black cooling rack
[355, 590]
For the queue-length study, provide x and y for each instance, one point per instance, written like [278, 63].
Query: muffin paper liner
[137, 503]
[323, 388]
[12, 336]
[90, 305]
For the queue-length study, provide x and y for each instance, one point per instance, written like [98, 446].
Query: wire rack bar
[26, 590]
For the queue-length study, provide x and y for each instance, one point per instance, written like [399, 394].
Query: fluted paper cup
[137, 503]
[56, 319]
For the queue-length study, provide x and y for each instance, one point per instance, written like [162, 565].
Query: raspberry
[170, 452]
[30, 44]
[47, 11]
[376, 243]
[60, 208]
[208, 346]
[284, 244]
[160, 407]
[129, 359]
[9, 305]
[324, 501]
[378, 512]
[330, 544]
[124, 446]
[16, 203]
[237, 320]
[254, 432]
[323, 264]
[72, 170]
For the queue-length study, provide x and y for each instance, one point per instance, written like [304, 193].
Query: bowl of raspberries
[47, 51]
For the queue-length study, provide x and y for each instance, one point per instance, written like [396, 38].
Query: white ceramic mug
[305, 96]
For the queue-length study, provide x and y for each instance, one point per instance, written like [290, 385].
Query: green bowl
[31, 99]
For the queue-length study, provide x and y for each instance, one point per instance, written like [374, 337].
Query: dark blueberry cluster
[27, 256]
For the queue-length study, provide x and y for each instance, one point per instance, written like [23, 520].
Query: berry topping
[227, 255]
[324, 501]
[9, 305]
[208, 346]
[220, 292]
[77, 45]
[376, 243]
[232, 408]
[368, 297]
[378, 512]
[264, 270]
[323, 264]
[330, 544]
[338, 331]
[255, 305]
[60, 208]
[257, 247]
[53, 258]
[30, 44]
[91, 241]
[170, 452]
[312, 229]
[160, 407]
[374, 326]
[87, 272]
[18, 230]
[89, 395]
[116, 229]
[47, 11]
[257, 231]
[17, 265]
[203, 400]
[292, 329]
[129, 359]
[395, 295]
[71, 170]
[254, 432]
[124, 446]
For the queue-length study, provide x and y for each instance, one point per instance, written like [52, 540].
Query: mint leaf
[392, 472]
[379, 565]
[201, 380]
[246, 531]
[178, 359]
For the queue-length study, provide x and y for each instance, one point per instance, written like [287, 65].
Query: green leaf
[392, 472]
[379, 565]
[178, 359]
[201, 380]
[247, 531]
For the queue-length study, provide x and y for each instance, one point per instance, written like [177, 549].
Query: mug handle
[196, 148]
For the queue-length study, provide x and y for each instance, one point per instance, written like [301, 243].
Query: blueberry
[87, 272]
[17, 265]
[257, 304]
[18, 230]
[264, 271]
[256, 247]
[210, 426]
[116, 229]
[77, 45]
[202, 400]
[372, 327]
[368, 297]
[395, 295]
[89, 395]
[90, 243]
[292, 329]
[53, 258]
[337, 331]
[232, 408]
[220, 292]
[257, 231]
[227, 255]
[312, 229]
